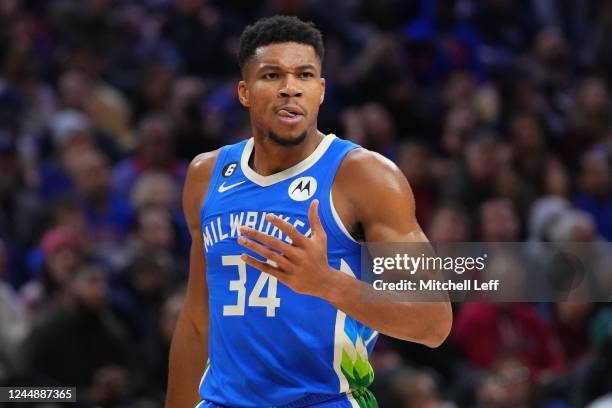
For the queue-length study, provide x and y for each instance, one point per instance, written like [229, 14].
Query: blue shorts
[362, 398]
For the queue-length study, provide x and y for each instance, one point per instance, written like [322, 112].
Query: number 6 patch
[229, 168]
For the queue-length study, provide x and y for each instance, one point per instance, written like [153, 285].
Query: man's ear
[322, 90]
[243, 94]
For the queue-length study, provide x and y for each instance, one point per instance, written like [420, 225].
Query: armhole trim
[336, 218]
[329, 214]
[212, 185]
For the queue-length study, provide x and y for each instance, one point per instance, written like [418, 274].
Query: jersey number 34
[270, 301]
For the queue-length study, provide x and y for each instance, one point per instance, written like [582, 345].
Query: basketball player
[274, 314]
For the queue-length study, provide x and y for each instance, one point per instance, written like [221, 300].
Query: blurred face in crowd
[596, 175]
[550, 47]
[481, 160]
[149, 276]
[70, 215]
[498, 222]
[156, 189]
[526, 134]
[593, 96]
[156, 145]
[378, 122]
[62, 250]
[507, 386]
[283, 88]
[157, 86]
[89, 287]
[155, 228]
[415, 390]
[506, 181]
[75, 90]
[61, 263]
[448, 225]
[460, 86]
[92, 175]
[573, 314]
[556, 179]
[584, 232]
[413, 161]
[526, 96]
[459, 122]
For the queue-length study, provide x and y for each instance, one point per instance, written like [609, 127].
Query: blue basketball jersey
[268, 345]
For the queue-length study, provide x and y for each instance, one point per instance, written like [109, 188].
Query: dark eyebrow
[268, 66]
[275, 67]
[307, 66]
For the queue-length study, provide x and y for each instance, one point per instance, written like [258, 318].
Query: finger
[281, 261]
[288, 229]
[267, 240]
[263, 266]
[314, 220]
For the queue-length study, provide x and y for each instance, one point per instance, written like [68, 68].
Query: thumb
[314, 220]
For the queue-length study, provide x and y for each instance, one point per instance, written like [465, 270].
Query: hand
[301, 265]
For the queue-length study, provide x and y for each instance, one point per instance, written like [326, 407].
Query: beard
[286, 141]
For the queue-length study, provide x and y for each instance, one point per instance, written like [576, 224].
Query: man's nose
[290, 88]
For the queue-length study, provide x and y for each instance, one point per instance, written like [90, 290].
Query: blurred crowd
[497, 111]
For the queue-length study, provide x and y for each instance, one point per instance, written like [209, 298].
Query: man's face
[283, 89]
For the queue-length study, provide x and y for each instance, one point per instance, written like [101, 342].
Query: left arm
[303, 265]
[386, 213]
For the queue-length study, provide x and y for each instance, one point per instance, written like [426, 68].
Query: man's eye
[306, 75]
[271, 75]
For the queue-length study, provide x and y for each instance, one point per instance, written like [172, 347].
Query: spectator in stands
[54, 351]
[488, 332]
[595, 190]
[157, 345]
[571, 323]
[20, 208]
[450, 223]
[528, 149]
[498, 222]
[415, 162]
[155, 152]
[61, 252]
[157, 189]
[474, 182]
[108, 214]
[139, 290]
[415, 389]
[594, 380]
[14, 323]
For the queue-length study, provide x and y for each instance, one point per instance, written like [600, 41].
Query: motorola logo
[302, 188]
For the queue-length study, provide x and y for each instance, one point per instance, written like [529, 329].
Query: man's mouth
[289, 116]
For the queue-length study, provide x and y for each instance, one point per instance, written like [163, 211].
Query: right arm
[189, 348]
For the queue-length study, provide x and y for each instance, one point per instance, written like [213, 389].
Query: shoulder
[203, 163]
[362, 168]
[198, 177]
[374, 195]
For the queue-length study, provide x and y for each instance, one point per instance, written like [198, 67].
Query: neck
[269, 157]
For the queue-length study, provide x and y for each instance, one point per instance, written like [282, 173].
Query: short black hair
[278, 29]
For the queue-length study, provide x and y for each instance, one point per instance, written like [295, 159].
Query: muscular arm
[385, 214]
[189, 348]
